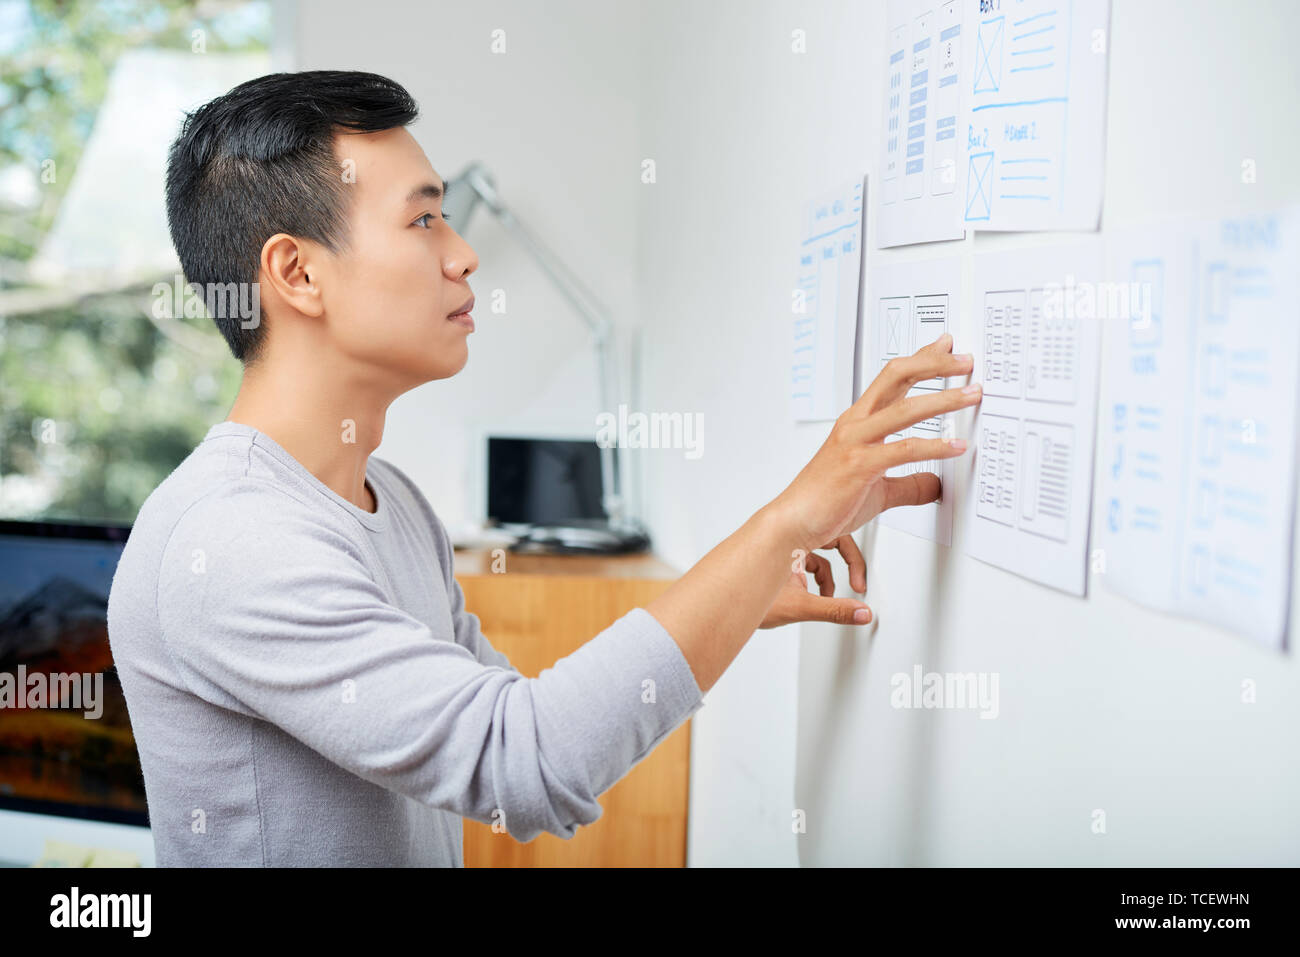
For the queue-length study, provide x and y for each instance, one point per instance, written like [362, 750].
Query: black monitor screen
[543, 481]
[63, 749]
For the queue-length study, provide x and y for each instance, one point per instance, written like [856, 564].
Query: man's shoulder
[207, 470]
[212, 484]
[211, 496]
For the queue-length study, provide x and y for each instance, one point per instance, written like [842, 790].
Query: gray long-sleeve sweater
[306, 687]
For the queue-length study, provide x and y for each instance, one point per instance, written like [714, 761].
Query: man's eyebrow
[425, 191]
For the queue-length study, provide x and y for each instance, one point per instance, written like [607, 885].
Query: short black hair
[260, 160]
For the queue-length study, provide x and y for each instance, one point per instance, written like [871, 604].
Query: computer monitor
[544, 481]
[54, 584]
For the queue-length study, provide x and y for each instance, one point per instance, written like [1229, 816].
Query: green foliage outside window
[99, 400]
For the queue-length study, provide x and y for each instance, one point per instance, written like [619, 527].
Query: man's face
[388, 296]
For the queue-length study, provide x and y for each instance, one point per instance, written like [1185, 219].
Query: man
[304, 682]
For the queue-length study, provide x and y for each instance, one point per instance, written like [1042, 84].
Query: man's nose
[462, 261]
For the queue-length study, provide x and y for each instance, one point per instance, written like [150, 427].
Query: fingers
[903, 372]
[841, 611]
[823, 573]
[825, 607]
[820, 569]
[913, 449]
[917, 408]
[852, 555]
[919, 488]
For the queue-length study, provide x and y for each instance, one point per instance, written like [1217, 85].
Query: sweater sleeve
[269, 611]
[468, 631]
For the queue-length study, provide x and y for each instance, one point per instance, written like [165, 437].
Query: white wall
[1104, 704]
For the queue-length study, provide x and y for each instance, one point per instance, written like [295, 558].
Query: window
[99, 398]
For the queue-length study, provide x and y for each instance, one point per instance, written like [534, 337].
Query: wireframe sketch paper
[1034, 113]
[909, 305]
[825, 304]
[920, 193]
[1037, 357]
[1198, 469]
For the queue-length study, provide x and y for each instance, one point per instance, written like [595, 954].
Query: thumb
[840, 611]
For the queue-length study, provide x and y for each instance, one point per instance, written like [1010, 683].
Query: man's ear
[286, 269]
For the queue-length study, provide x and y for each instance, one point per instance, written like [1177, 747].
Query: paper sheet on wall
[1037, 358]
[1033, 134]
[1198, 462]
[910, 305]
[825, 304]
[920, 193]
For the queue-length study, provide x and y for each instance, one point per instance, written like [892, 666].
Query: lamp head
[474, 185]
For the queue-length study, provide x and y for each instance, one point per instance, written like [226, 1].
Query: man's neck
[329, 424]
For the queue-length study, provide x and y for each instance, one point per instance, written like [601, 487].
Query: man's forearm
[714, 608]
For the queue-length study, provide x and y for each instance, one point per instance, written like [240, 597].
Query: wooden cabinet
[536, 611]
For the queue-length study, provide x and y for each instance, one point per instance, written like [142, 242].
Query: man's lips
[462, 317]
[464, 309]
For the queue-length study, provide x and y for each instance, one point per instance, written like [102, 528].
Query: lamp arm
[592, 312]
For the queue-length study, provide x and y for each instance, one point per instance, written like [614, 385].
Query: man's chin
[443, 366]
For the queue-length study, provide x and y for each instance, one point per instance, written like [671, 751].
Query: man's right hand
[844, 485]
[713, 609]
